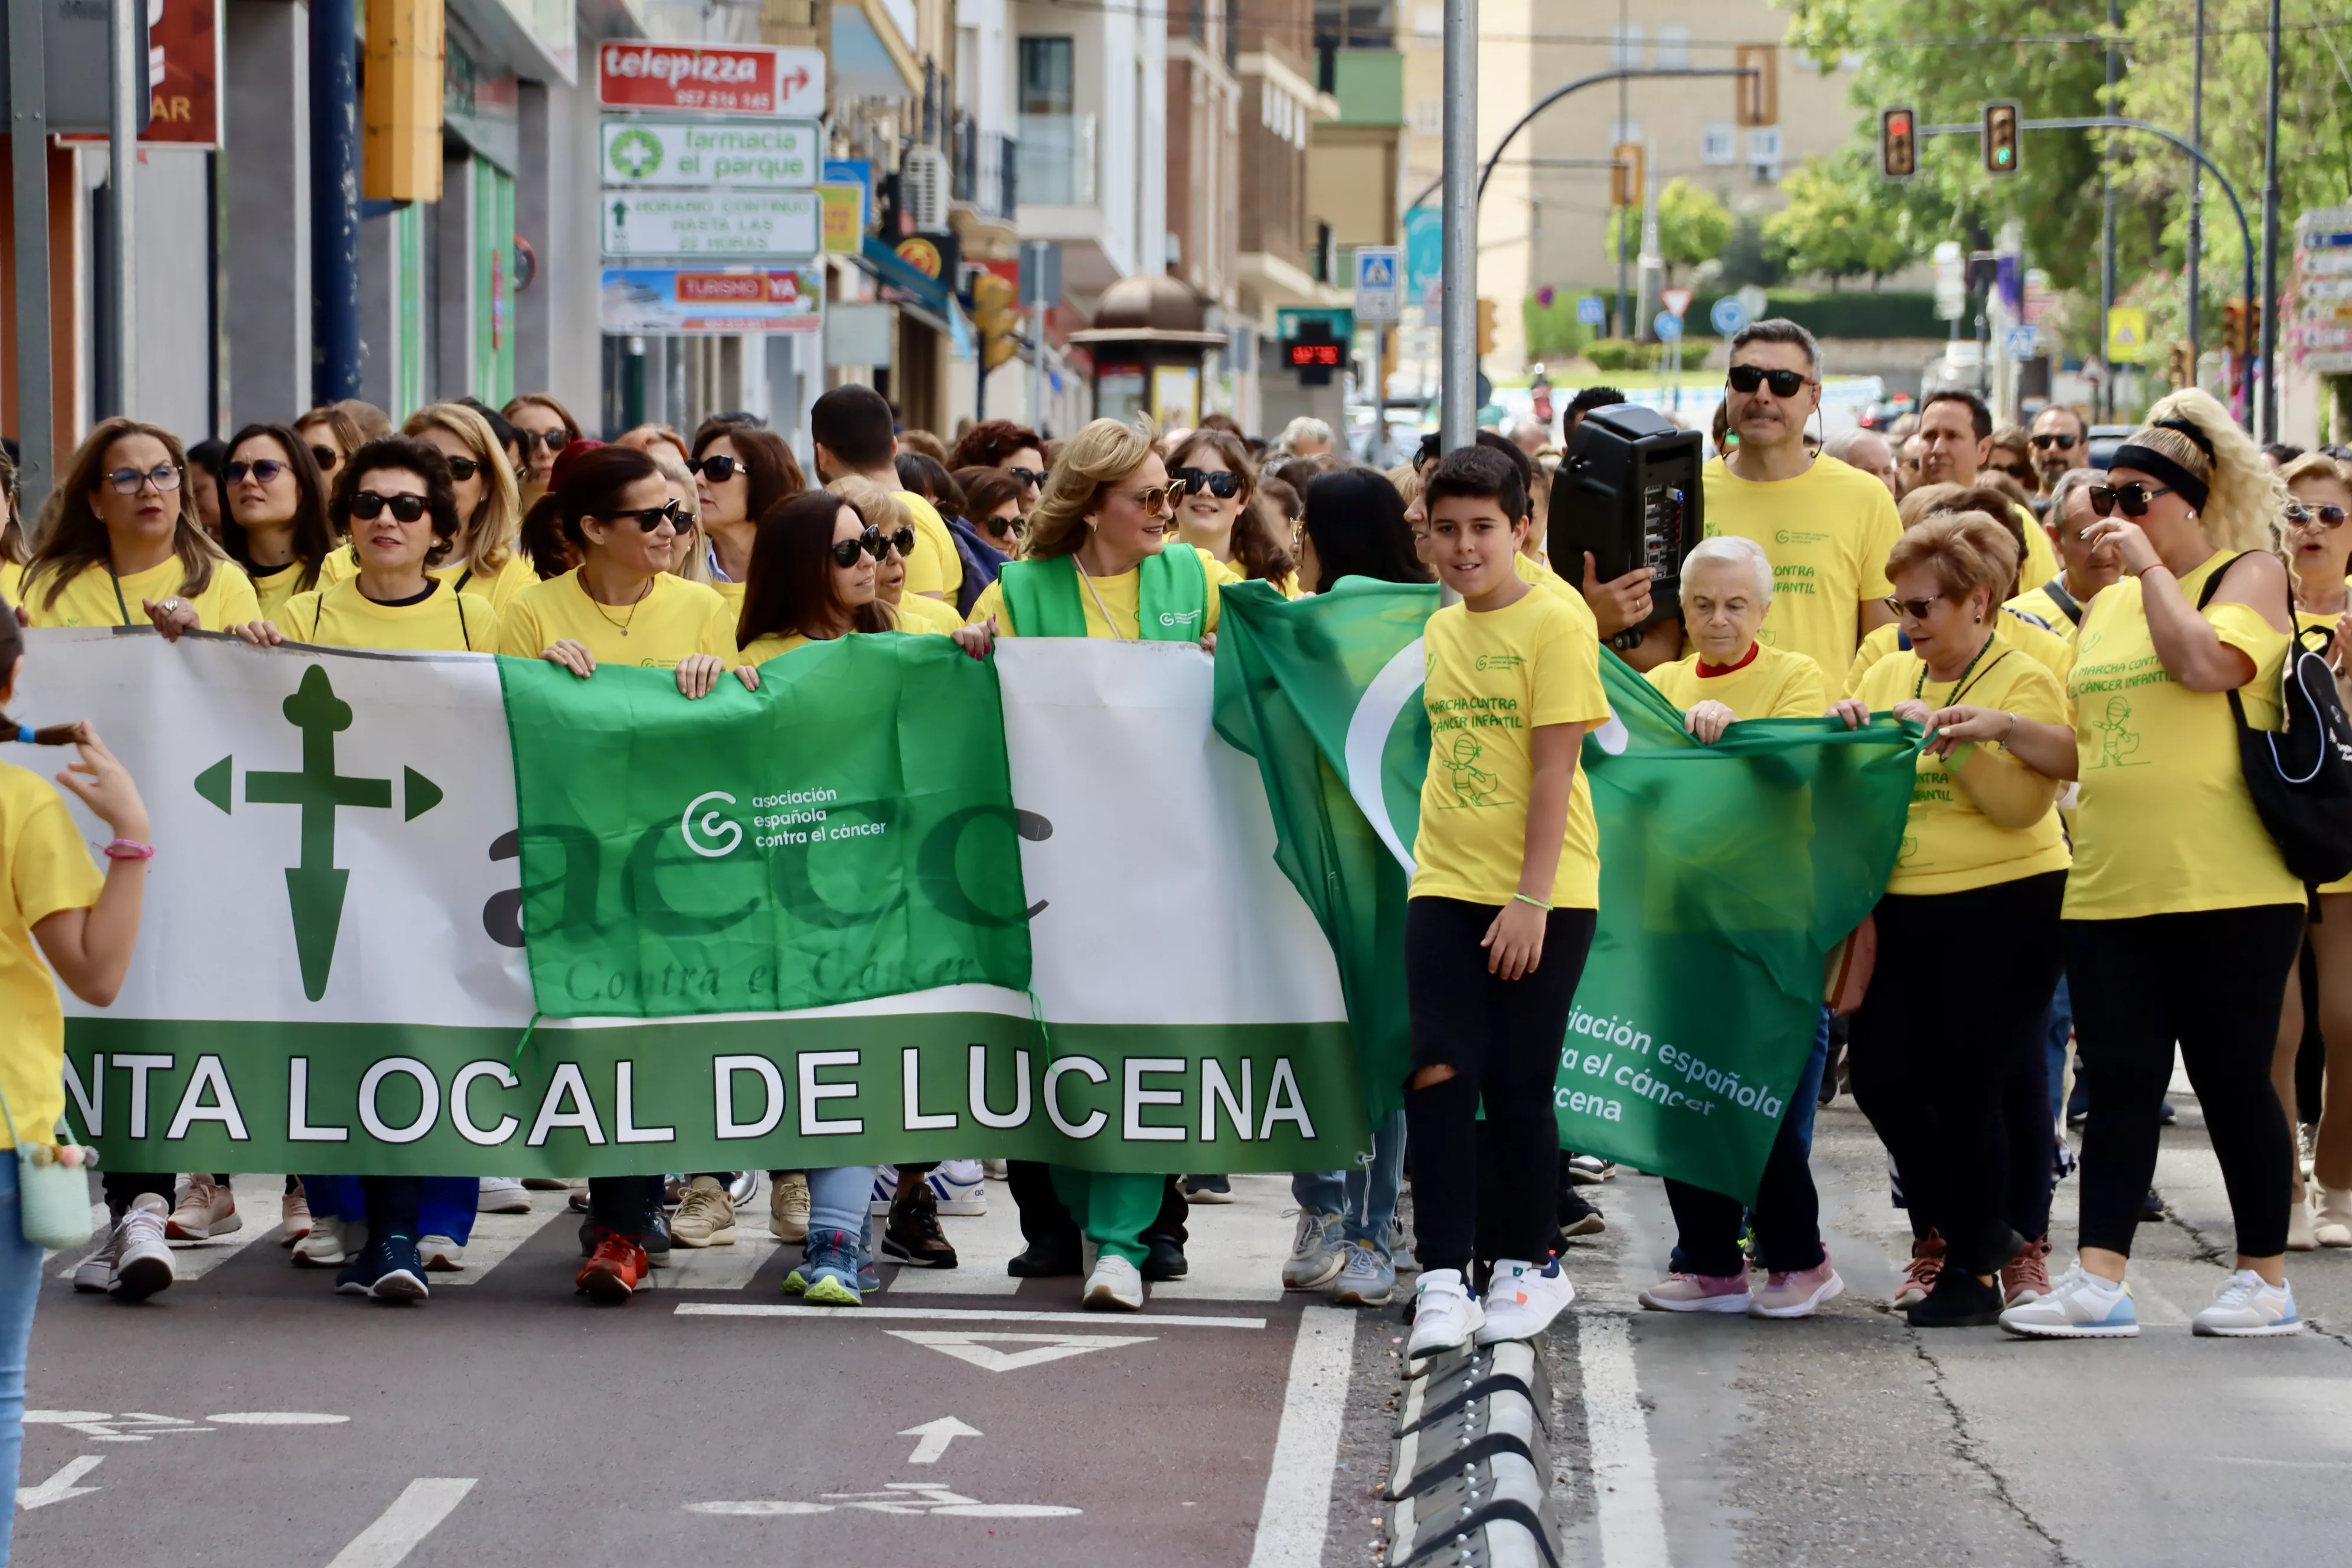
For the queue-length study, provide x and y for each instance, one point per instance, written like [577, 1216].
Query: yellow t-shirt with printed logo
[48, 868]
[914, 613]
[934, 567]
[1827, 533]
[1948, 844]
[1492, 680]
[2051, 651]
[1121, 595]
[1775, 684]
[341, 616]
[674, 619]
[90, 598]
[2165, 825]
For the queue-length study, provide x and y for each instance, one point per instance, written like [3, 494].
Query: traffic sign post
[1379, 292]
[1592, 311]
[1727, 316]
[2319, 302]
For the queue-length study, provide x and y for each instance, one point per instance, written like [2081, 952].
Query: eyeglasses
[1224, 486]
[2132, 498]
[326, 458]
[1915, 608]
[129, 481]
[649, 518]
[717, 470]
[1033, 479]
[554, 440]
[2301, 516]
[1159, 498]
[367, 506]
[265, 470]
[464, 468]
[2044, 442]
[845, 551]
[1784, 383]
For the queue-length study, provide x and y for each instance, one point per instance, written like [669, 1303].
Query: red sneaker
[2026, 1277]
[614, 1270]
[1926, 1262]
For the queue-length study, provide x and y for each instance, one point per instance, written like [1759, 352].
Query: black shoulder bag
[2301, 778]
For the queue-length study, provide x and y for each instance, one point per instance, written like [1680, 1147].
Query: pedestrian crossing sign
[2127, 334]
[1378, 272]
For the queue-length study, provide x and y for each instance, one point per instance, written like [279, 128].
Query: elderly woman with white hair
[1727, 586]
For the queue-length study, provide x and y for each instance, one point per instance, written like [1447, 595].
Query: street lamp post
[1458, 209]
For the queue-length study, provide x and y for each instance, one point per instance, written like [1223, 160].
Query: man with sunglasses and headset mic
[2061, 442]
[1826, 527]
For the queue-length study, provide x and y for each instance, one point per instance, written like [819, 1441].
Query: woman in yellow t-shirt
[1354, 525]
[125, 542]
[1223, 512]
[2319, 546]
[1727, 586]
[274, 518]
[894, 528]
[740, 473]
[2181, 917]
[810, 579]
[1501, 910]
[484, 559]
[55, 905]
[2053, 649]
[1971, 911]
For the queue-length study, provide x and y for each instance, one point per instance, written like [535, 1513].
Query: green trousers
[1111, 1210]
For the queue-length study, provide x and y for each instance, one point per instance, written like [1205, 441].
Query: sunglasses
[326, 458]
[464, 468]
[128, 481]
[2301, 516]
[367, 506]
[717, 470]
[1159, 498]
[1784, 383]
[1224, 486]
[1915, 608]
[1033, 479]
[554, 440]
[2043, 443]
[650, 517]
[2131, 498]
[2022, 474]
[265, 470]
[845, 551]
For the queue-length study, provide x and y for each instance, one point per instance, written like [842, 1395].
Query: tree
[1838, 224]
[1693, 226]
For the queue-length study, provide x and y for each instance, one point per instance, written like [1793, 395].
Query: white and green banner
[333, 975]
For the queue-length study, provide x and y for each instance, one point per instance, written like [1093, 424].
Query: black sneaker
[1165, 1260]
[1579, 1215]
[655, 1239]
[1208, 1190]
[1958, 1301]
[1047, 1260]
[913, 1235]
[2151, 1208]
[389, 1271]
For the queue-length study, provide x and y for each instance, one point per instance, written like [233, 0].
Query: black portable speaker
[1629, 492]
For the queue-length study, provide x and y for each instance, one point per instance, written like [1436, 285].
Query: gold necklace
[643, 595]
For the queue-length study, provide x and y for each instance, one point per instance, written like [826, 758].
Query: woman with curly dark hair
[1001, 444]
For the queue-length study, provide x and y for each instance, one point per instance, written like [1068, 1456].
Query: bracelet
[129, 849]
[24, 733]
[2005, 735]
[1538, 903]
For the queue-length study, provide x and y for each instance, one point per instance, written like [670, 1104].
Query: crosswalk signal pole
[1459, 206]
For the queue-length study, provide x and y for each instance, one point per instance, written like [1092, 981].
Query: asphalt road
[251, 1417]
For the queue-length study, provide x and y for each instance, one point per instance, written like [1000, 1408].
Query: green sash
[1046, 600]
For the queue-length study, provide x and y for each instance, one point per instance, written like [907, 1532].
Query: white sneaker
[997, 1169]
[1445, 1314]
[960, 1187]
[202, 1210]
[324, 1247]
[96, 1272]
[1522, 1298]
[1316, 1252]
[2246, 1306]
[502, 1194]
[2301, 1232]
[1115, 1286]
[143, 1263]
[2081, 1306]
[707, 1217]
[743, 1188]
[443, 1256]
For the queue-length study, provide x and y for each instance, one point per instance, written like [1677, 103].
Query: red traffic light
[1898, 124]
[1898, 144]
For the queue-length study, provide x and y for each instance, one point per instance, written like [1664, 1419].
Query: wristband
[1538, 903]
[129, 849]
[24, 733]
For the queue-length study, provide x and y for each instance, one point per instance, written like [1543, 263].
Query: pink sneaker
[1797, 1295]
[1697, 1293]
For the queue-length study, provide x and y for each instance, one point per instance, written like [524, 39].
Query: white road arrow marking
[1050, 1347]
[59, 1486]
[936, 1436]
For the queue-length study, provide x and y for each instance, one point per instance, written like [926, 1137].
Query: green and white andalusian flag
[1727, 872]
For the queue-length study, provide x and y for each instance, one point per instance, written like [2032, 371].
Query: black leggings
[1961, 983]
[2212, 980]
[1502, 1039]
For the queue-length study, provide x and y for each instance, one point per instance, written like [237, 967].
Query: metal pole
[126, 79]
[2267, 425]
[29, 161]
[1625, 327]
[1037, 367]
[1458, 208]
[334, 201]
[2107, 221]
[2196, 191]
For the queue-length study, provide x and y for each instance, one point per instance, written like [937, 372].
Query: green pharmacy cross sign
[314, 889]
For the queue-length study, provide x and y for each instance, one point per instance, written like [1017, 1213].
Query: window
[1624, 47]
[1674, 48]
[1045, 76]
[1719, 142]
[1764, 151]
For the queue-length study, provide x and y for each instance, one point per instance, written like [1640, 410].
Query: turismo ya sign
[711, 300]
[711, 78]
[738, 154]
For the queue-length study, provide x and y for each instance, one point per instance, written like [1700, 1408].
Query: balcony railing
[987, 169]
[1056, 159]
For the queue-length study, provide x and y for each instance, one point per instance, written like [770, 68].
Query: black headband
[2202, 442]
[2150, 461]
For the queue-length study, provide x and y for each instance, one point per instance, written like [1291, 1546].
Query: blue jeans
[447, 1210]
[1366, 1192]
[20, 1291]
[1805, 1099]
[2057, 1025]
[837, 1201]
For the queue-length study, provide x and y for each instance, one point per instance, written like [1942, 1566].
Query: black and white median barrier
[1470, 1477]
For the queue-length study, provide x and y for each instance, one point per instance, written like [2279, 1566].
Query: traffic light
[1486, 326]
[1898, 143]
[996, 316]
[2241, 326]
[2002, 127]
[1757, 101]
[1625, 175]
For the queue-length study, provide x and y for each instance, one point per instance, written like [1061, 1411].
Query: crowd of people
[2082, 860]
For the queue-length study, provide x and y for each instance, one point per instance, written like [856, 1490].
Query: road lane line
[1296, 1513]
[961, 1315]
[60, 1487]
[1624, 1471]
[499, 1237]
[396, 1531]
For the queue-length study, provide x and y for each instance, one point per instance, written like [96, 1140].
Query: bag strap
[2213, 583]
[10, 1117]
[2068, 605]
